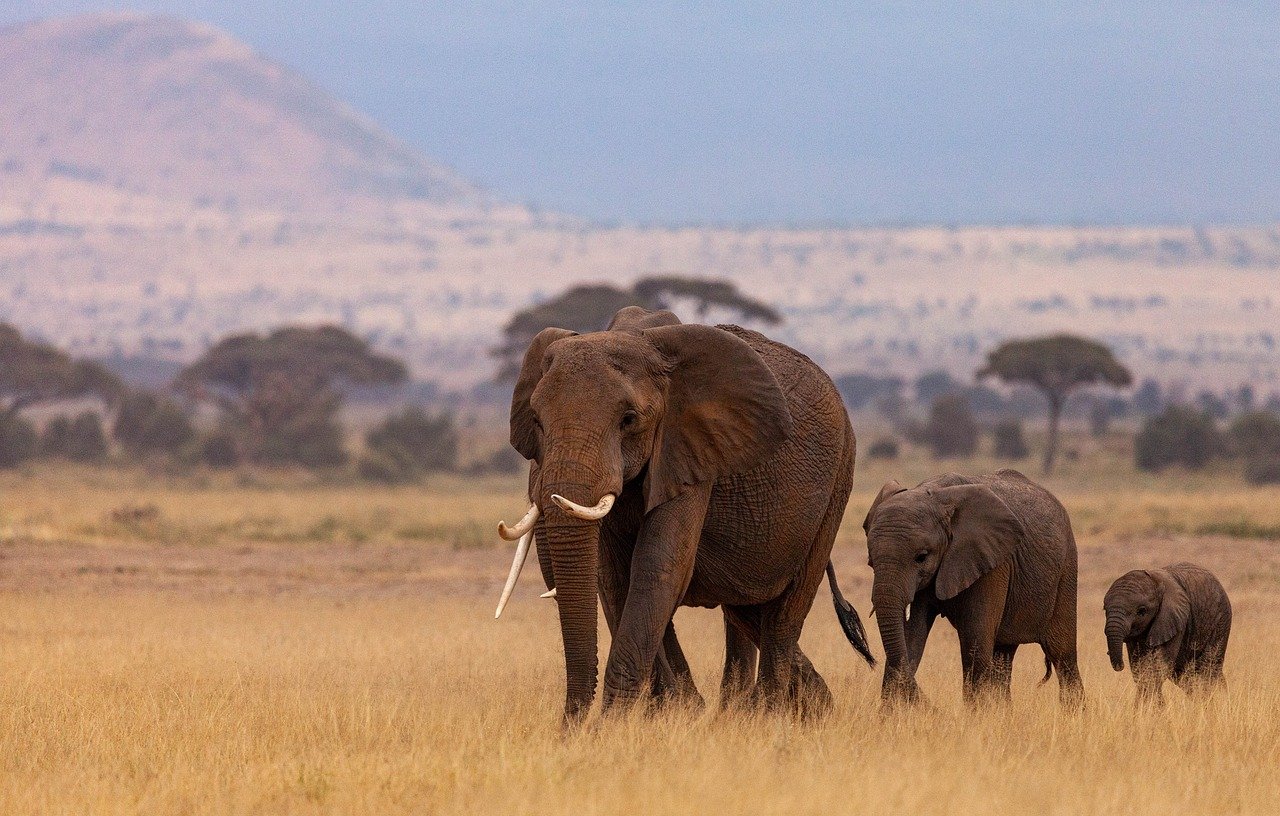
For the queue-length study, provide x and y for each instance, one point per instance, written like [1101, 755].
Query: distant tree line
[276, 400]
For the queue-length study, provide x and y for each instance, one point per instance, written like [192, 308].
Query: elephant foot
[901, 694]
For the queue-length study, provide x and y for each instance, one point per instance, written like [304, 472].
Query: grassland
[272, 644]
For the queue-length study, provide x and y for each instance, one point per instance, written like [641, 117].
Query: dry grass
[230, 692]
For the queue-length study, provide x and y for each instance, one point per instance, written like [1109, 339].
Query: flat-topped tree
[281, 392]
[590, 307]
[32, 373]
[1056, 365]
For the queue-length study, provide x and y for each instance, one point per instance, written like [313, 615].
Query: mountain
[161, 186]
[177, 110]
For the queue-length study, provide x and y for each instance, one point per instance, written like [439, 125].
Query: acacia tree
[1056, 366]
[589, 307]
[280, 393]
[32, 372]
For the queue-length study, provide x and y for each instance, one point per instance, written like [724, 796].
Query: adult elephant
[679, 465]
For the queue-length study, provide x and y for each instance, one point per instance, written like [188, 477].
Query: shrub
[952, 430]
[149, 423]
[218, 449]
[883, 449]
[504, 460]
[1099, 419]
[427, 443]
[55, 435]
[86, 441]
[384, 466]
[1179, 436]
[1263, 469]
[1009, 441]
[1256, 433]
[18, 440]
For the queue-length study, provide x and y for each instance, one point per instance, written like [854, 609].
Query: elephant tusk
[517, 564]
[596, 513]
[522, 526]
[550, 593]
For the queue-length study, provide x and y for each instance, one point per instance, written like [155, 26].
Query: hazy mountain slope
[174, 109]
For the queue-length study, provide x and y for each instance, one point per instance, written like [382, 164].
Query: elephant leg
[977, 633]
[741, 632]
[1060, 643]
[808, 689]
[1149, 674]
[661, 569]
[923, 614]
[682, 688]
[1002, 669]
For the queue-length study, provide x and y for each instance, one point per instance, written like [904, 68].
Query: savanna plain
[210, 643]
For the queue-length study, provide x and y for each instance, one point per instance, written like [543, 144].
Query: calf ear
[891, 488]
[636, 318]
[984, 533]
[725, 411]
[1175, 609]
[524, 428]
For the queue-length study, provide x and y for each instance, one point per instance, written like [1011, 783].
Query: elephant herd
[686, 465]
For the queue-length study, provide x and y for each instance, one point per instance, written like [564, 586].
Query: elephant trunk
[891, 607]
[1116, 631]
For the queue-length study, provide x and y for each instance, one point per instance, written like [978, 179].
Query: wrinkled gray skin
[732, 460]
[1175, 622]
[993, 554]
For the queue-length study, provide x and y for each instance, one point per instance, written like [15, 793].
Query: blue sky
[976, 112]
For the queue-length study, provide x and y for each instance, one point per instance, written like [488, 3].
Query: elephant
[993, 554]
[682, 464]
[1175, 621]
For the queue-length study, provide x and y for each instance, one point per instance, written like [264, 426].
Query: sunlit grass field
[278, 644]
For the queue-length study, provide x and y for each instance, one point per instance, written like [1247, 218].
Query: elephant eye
[1142, 610]
[629, 420]
[921, 556]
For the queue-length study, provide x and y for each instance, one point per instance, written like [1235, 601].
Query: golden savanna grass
[271, 645]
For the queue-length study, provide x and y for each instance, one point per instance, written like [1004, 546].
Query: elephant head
[649, 404]
[1144, 602]
[944, 536]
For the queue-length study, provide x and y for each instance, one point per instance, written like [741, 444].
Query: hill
[163, 107]
[161, 185]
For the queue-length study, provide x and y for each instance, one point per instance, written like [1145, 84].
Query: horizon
[886, 119]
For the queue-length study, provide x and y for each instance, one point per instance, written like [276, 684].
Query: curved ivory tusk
[550, 593]
[523, 526]
[517, 564]
[601, 509]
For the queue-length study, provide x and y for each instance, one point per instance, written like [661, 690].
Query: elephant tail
[849, 620]
[1048, 671]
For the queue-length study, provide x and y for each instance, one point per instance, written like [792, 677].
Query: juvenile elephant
[1175, 621]
[682, 465]
[993, 554]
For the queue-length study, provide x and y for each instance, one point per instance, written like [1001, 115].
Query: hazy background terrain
[163, 183]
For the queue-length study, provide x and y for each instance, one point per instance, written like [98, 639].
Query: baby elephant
[994, 555]
[1175, 622]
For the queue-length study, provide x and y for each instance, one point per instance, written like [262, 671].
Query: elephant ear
[637, 318]
[524, 428]
[725, 413]
[984, 533]
[891, 488]
[1175, 609]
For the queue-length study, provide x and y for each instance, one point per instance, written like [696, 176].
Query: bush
[218, 449]
[427, 443]
[1256, 433]
[952, 430]
[86, 441]
[384, 466]
[149, 423]
[883, 449]
[1099, 419]
[55, 436]
[1009, 441]
[18, 440]
[504, 460]
[1179, 436]
[1263, 469]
